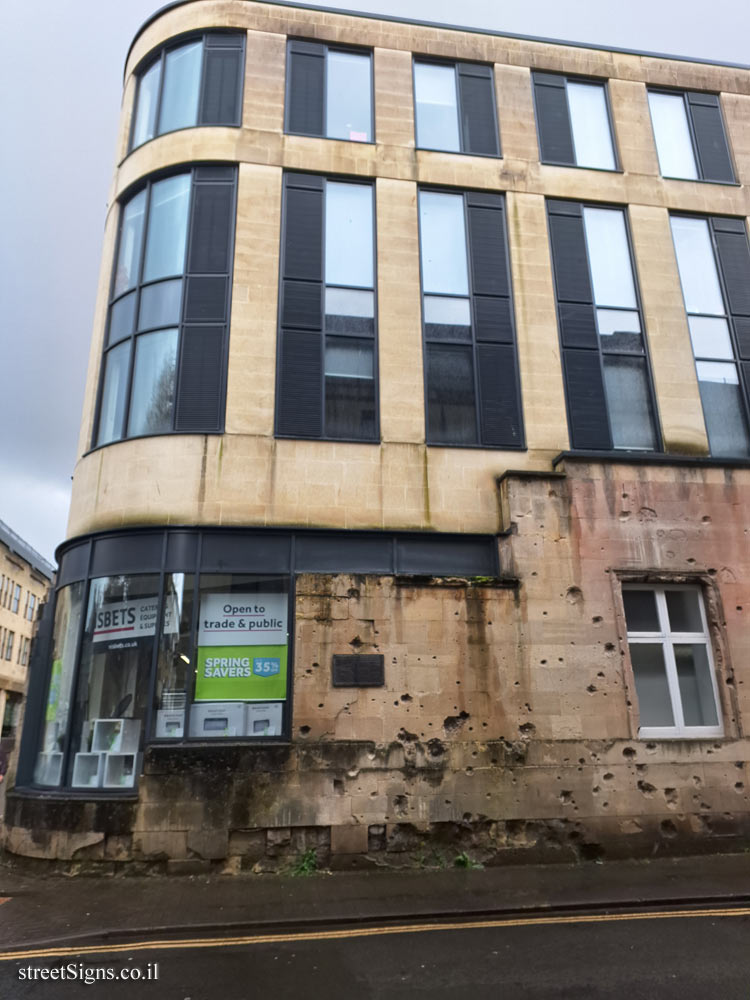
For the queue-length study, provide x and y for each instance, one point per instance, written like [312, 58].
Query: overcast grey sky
[60, 76]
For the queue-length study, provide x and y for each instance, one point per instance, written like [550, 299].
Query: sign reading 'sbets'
[242, 648]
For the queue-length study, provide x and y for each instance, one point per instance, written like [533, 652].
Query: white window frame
[668, 639]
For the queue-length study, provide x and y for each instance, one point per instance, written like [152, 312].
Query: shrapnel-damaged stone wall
[508, 723]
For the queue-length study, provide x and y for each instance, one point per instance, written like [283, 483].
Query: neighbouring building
[410, 513]
[25, 578]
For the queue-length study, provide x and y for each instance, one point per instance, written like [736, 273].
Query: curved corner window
[198, 82]
[164, 356]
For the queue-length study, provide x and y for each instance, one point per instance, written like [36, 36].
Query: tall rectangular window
[573, 122]
[672, 663]
[713, 259]
[455, 108]
[164, 360]
[472, 389]
[196, 82]
[327, 361]
[16, 598]
[9, 637]
[607, 379]
[329, 92]
[31, 607]
[690, 138]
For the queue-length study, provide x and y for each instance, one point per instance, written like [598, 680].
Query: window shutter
[203, 351]
[499, 401]
[734, 259]
[200, 396]
[210, 239]
[299, 386]
[587, 404]
[477, 104]
[222, 80]
[496, 363]
[584, 384]
[306, 88]
[553, 119]
[734, 262]
[299, 401]
[710, 138]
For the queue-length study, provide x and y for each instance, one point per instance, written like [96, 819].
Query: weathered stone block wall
[508, 722]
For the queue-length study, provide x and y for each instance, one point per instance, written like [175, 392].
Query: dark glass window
[163, 367]
[329, 92]
[714, 264]
[573, 122]
[472, 393]
[455, 108]
[691, 141]
[607, 377]
[196, 82]
[327, 346]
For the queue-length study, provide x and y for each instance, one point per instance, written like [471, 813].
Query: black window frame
[466, 194]
[289, 180]
[685, 95]
[538, 79]
[184, 324]
[327, 47]
[740, 343]
[160, 56]
[455, 65]
[600, 447]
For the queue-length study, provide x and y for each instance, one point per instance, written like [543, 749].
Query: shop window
[327, 354]
[573, 122]
[329, 92]
[713, 259]
[605, 362]
[197, 82]
[68, 611]
[455, 108]
[471, 378]
[691, 142]
[164, 364]
[109, 709]
[670, 652]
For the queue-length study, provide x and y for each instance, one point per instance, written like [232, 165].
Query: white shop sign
[243, 620]
[132, 619]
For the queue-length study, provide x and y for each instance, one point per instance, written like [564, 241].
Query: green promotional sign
[241, 673]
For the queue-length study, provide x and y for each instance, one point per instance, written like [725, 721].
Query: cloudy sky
[61, 77]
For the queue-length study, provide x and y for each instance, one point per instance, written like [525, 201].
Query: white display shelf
[87, 770]
[48, 770]
[115, 735]
[120, 770]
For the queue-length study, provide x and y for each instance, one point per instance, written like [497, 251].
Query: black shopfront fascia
[271, 552]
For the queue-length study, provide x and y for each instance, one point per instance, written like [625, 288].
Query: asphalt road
[697, 954]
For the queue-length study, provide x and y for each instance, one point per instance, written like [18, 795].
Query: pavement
[41, 910]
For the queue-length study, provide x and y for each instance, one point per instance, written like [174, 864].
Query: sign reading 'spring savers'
[242, 648]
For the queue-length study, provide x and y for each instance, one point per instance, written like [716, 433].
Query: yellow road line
[360, 932]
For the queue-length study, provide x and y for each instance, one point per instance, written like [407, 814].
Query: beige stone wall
[12, 672]
[507, 725]
[248, 477]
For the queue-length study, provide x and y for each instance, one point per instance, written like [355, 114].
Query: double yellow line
[361, 932]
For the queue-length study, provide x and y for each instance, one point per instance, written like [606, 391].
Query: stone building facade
[420, 365]
[25, 580]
